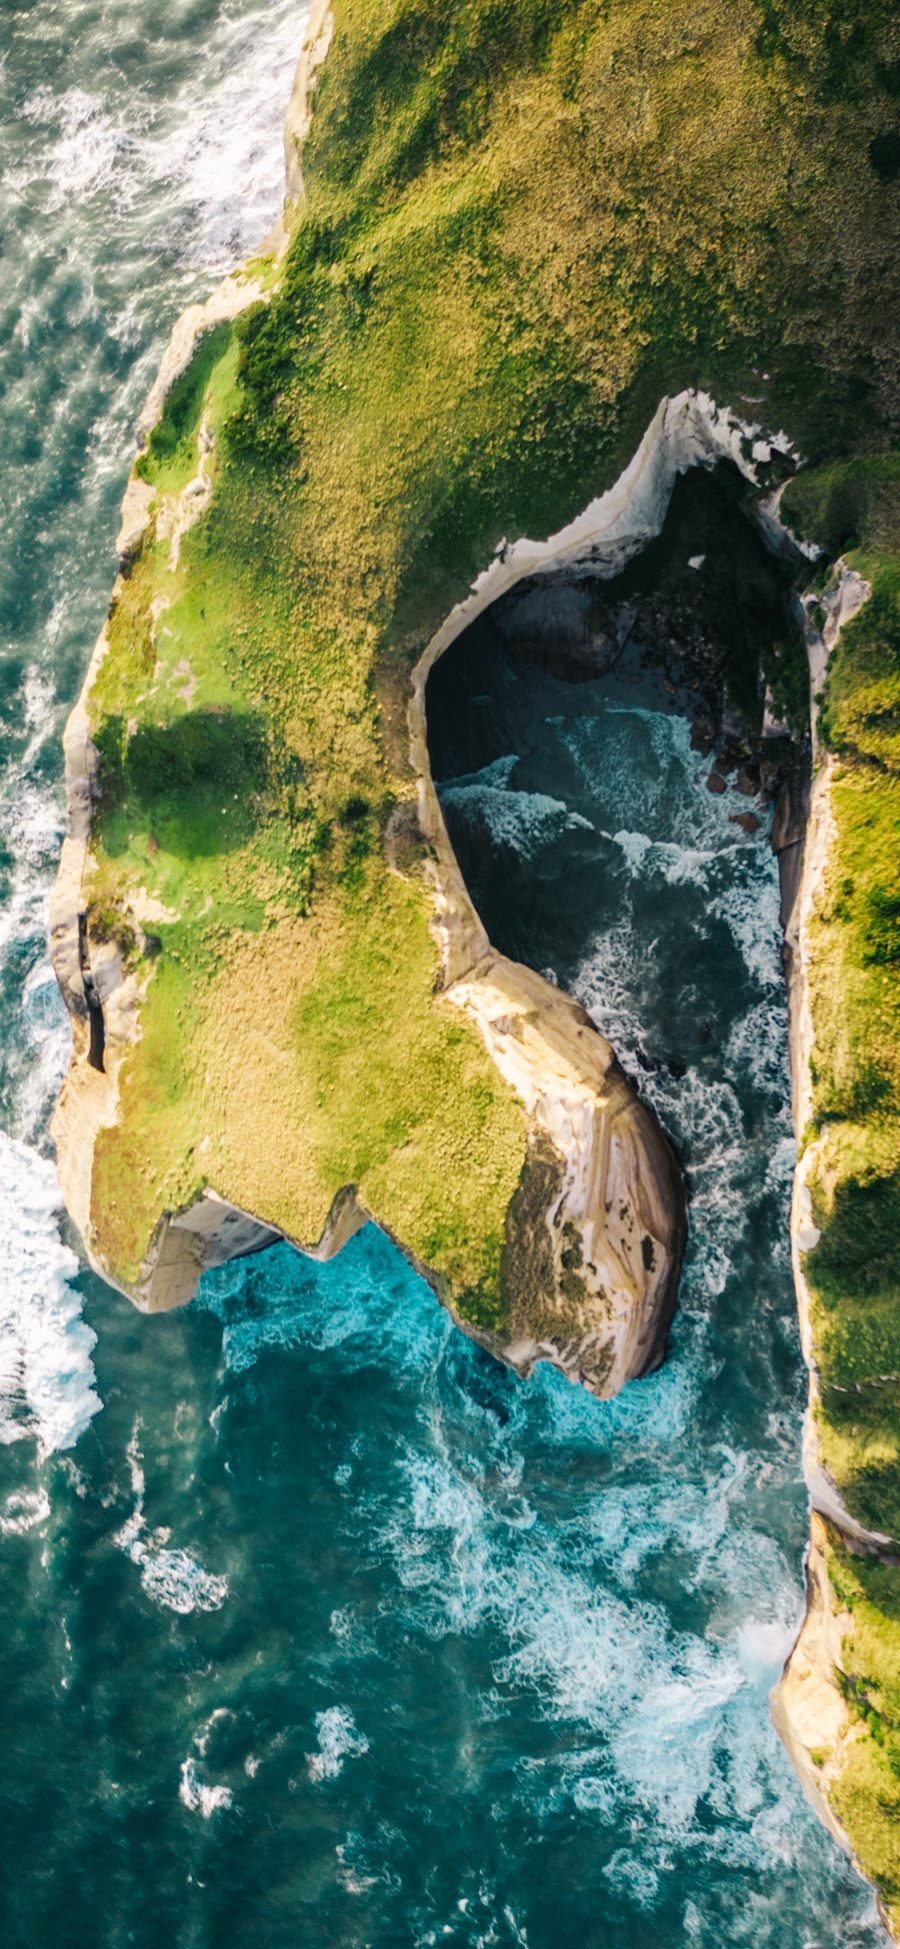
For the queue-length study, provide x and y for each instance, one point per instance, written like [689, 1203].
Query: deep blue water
[320, 1628]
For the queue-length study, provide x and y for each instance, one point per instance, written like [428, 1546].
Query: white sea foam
[627, 1875]
[757, 1048]
[47, 1389]
[82, 160]
[648, 858]
[32, 829]
[214, 168]
[749, 906]
[339, 1739]
[31, 822]
[522, 822]
[45, 1050]
[24, 1510]
[171, 1578]
[200, 1798]
[763, 1645]
[660, 1698]
[223, 157]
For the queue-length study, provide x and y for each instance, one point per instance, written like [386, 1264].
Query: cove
[326, 1629]
[418, 1652]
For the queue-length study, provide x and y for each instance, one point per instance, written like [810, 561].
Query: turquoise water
[319, 1626]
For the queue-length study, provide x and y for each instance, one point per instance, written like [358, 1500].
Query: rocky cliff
[594, 1228]
[834, 1706]
[507, 238]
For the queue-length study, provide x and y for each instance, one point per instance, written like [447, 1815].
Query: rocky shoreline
[595, 1147]
[808, 1706]
[595, 1235]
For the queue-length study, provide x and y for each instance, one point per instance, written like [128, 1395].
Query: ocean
[320, 1627]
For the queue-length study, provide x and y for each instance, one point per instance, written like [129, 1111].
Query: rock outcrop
[595, 1232]
[809, 1708]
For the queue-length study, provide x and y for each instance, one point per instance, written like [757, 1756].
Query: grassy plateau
[524, 221]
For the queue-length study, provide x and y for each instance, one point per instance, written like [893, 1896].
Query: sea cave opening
[612, 757]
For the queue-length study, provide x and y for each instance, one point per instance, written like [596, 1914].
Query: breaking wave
[47, 1391]
[339, 1739]
[171, 186]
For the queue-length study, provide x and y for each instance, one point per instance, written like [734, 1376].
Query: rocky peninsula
[530, 271]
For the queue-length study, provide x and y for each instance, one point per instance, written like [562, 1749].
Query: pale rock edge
[808, 1709]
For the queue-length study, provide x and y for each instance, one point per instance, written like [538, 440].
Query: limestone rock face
[596, 1231]
[807, 1707]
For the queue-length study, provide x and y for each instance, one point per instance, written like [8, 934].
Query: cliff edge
[507, 239]
[542, 1202]
[838, 1703]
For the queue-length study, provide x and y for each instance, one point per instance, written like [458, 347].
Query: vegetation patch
[523, 224]
[867, 1793]
[170, 456]
[854, 508]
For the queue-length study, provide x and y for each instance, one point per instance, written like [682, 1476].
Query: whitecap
[339, 1739]
[47, 1391]
[24, 1510]
[175, 1580]
[678, 865]
[197, 1796]
[521, 822]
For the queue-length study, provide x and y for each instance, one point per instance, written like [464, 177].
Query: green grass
[867, 1794]
[366, 1083]
[853, 507]
[229, 811]
[525, 220]
[170, 457]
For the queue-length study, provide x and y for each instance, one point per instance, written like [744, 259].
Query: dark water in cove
[319, 1628]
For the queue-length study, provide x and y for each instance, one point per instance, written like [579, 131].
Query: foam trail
[171, 1578]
